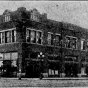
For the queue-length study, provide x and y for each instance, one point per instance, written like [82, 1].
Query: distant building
[25, 35]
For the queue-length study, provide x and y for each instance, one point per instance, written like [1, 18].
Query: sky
[75, 12]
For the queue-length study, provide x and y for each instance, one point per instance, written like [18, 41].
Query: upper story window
[34, 36]
[28, 35]
[35, 15]
[83, 45]
[57, 39]
[13, 35]
[68, 42]
[71, 42]
[39, 37]
[74, 43]
[7, 18]
[7, 37]
[50, 38]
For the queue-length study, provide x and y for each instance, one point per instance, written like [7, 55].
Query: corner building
[25, 34]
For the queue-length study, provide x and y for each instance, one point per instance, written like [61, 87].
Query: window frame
[7, 36]
[7, 18]
[50, 39]
[71, 37]
[13, 36]
[57, 34]
[3, 31]
[84, 40]
[31, 29]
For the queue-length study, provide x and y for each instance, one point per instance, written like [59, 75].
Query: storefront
[54, 66]
[8, 64]
[71, 66]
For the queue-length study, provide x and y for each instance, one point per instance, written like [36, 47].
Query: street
[35, 82]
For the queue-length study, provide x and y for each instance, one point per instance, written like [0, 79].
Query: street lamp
[19, 74]
[40, 56]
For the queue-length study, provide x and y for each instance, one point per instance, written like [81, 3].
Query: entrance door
[71, 69]
[32, 70]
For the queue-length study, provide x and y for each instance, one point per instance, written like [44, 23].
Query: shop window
[6, 56]
[39, 37]
[14, 56]
[50, 39]
[33, 36]
[13, 35]
[83, 46]
[28, 37]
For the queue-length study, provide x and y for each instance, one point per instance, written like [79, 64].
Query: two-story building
[30, 43]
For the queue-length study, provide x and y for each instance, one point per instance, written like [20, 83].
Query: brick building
[30, 43]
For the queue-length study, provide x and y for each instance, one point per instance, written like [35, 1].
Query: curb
[84, 78]
[64, 78]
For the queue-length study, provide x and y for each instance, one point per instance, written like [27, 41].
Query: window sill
[34, 43]
[8, 43]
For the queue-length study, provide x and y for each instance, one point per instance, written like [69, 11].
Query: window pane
[7, 56]
[14, 55]
[83, 44]
[33, 36]
[38, 37]
[7, 37]
[28, 35]
[57, 39]
[68, 42]
[13, 35]
[3, 37]
[50, 39]
[73, 43]
[1, 56]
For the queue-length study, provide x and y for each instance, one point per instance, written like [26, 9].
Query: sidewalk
[53, 78]
[67, 78]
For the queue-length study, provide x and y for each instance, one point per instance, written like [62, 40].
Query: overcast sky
[75, 12]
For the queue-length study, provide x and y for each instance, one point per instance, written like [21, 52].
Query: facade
[32, 44]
